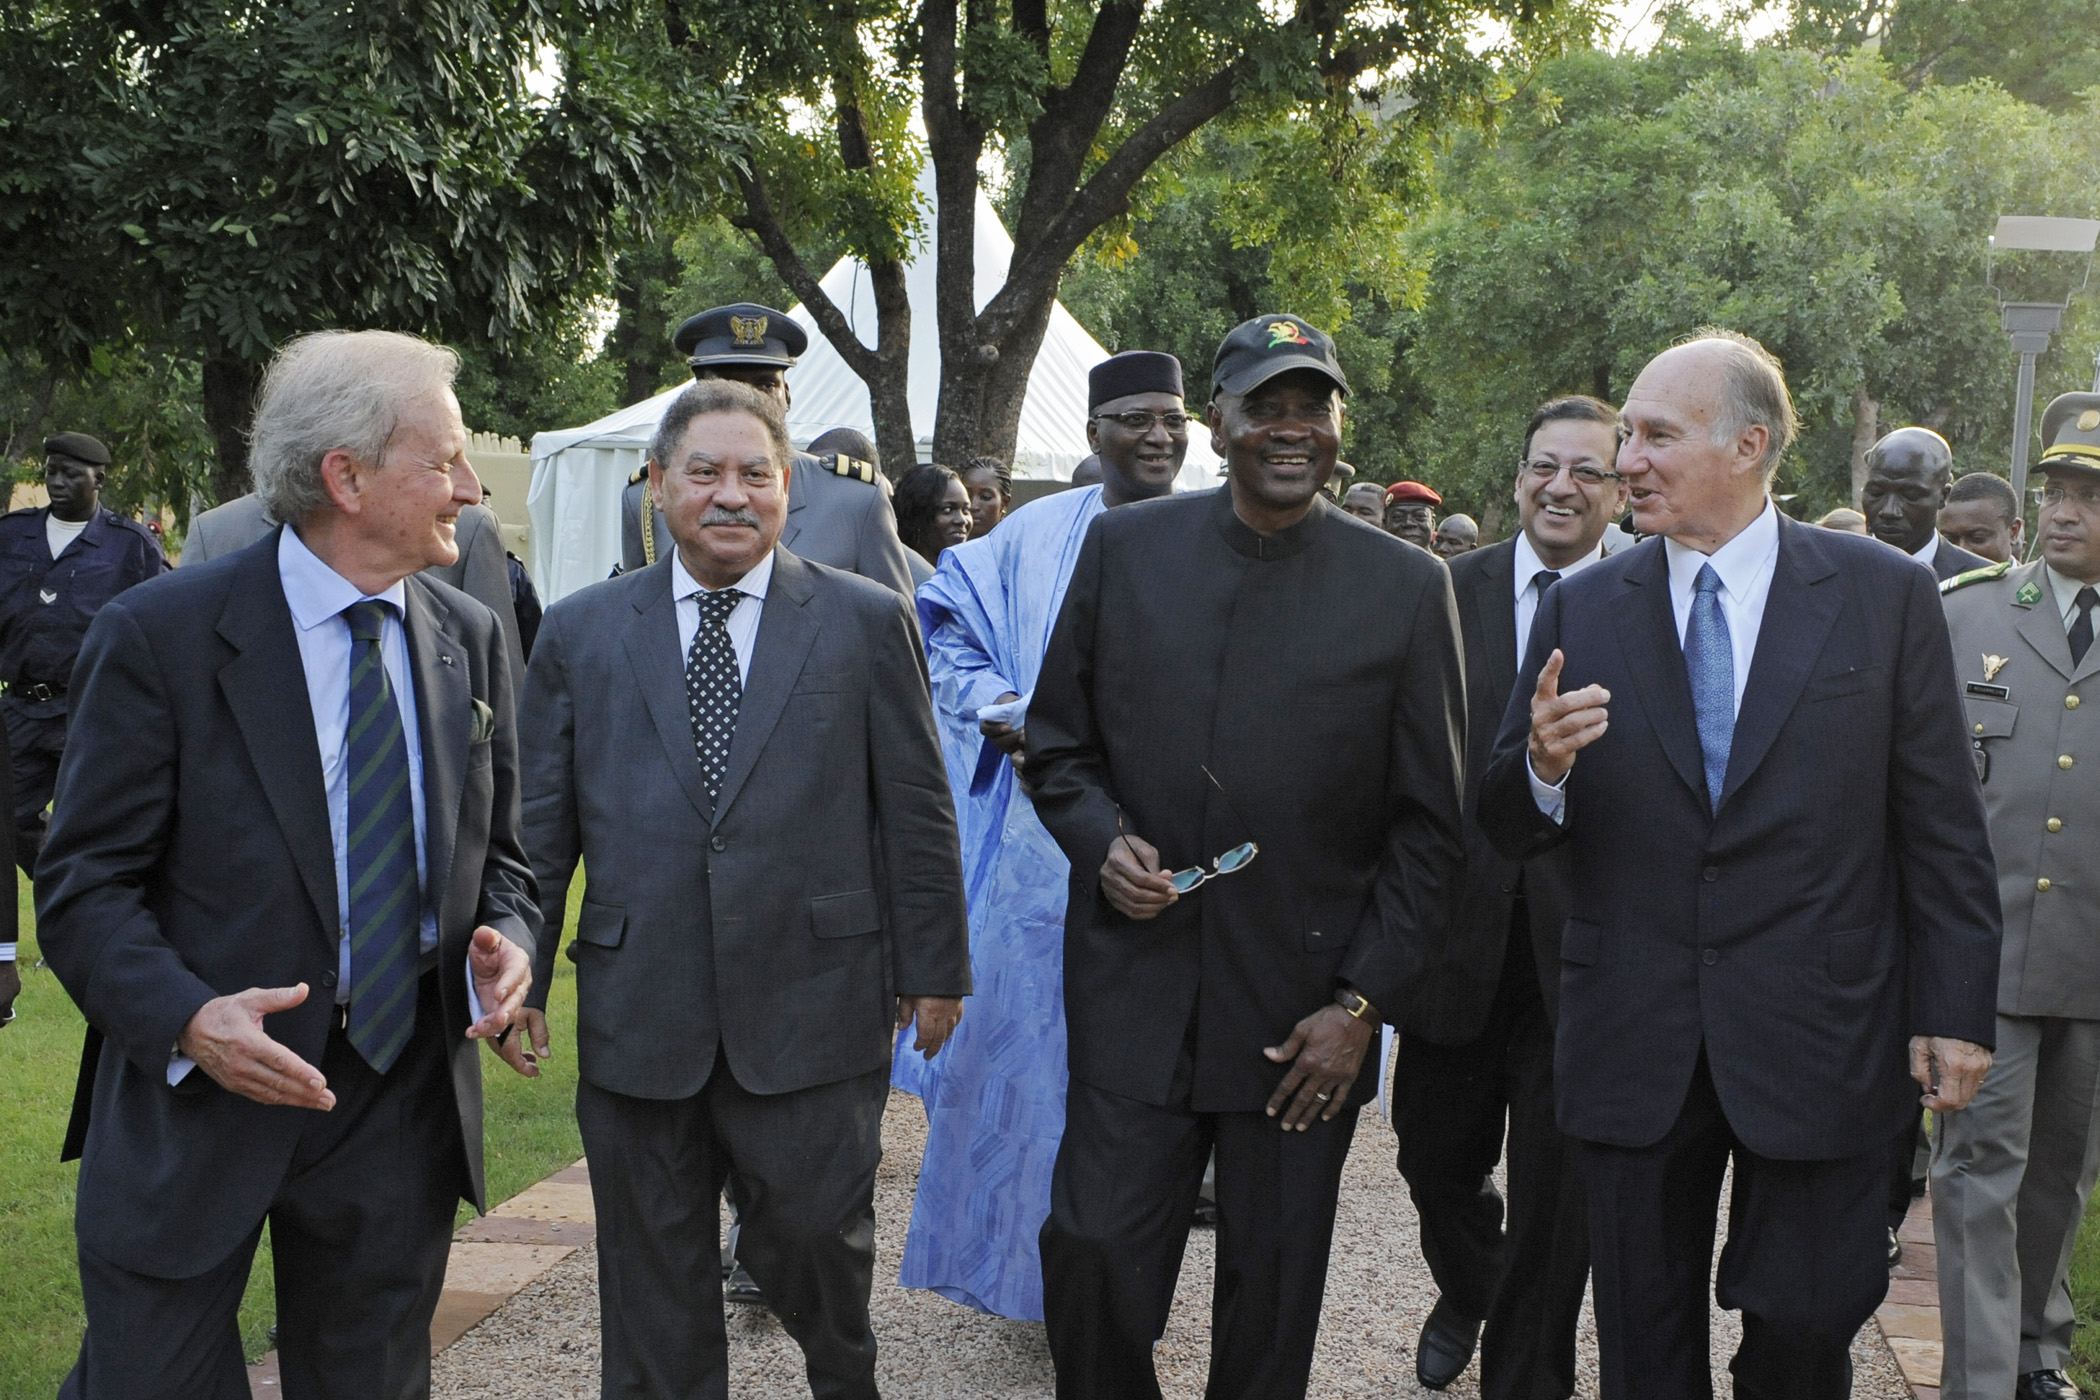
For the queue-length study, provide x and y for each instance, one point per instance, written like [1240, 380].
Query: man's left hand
[937, 1017]
[1324, 1052]
[1951, 1070]
[502, 973]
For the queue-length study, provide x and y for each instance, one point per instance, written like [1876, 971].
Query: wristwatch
[1356, 1004]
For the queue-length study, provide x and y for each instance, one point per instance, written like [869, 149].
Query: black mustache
[718, 516]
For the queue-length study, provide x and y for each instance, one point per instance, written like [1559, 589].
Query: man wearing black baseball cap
[837, 514]
[1260, 801]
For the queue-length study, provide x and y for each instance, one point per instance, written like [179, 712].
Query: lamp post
[2032, 323]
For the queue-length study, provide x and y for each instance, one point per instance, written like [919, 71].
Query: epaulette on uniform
[1962, 580]
[853, 468]
[639, 473]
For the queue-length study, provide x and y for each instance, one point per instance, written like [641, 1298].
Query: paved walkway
[519, 1316]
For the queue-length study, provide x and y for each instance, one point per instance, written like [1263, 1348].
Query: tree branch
[760, 220]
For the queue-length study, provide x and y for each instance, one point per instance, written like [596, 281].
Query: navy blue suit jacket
[1842, 898]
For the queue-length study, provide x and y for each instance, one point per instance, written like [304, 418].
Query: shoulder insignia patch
[2030, 593]
[840, 464]
[639, 473]
[1962, 580]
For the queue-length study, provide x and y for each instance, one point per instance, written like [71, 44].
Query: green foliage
[141, 403]
[2041, 51]
[1812, 202]
[541, 381]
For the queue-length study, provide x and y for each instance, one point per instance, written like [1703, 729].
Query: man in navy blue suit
[1781, 902]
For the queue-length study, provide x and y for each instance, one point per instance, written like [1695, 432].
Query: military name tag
[1988, 692]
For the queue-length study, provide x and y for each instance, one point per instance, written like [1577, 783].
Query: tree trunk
[1866, 427]
[888, 377]
[641, 338]
[229, 403]
[1491, 521]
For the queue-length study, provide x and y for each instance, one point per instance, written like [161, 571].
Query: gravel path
[544, 1343]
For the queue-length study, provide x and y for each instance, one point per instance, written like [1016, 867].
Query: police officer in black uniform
[58, 565]
[836, 513]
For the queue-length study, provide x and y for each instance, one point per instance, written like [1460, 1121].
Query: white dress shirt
[743, 619]
[1527, 565]
[2066, 590]
[1745, 565]
[1928, 551]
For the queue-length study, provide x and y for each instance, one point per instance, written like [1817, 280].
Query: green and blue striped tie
[384, 900]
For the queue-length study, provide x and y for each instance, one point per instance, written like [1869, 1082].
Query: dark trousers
[34, 746]
[1450, 1104]
[1805, 1260]
[1121, 1199]
[804, 1182]
[359, 1230]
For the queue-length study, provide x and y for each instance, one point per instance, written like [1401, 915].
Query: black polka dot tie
[712, 686]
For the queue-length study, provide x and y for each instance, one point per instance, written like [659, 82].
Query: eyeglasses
[1541, 470]
[2086, 498]
[1139, 421]
[1238, 858]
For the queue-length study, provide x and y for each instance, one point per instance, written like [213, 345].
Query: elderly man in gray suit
[739, 746]
[2012, 1175]
[480, 572]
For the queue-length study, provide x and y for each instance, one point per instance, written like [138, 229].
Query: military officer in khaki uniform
[2011, 1173]
[837, 514]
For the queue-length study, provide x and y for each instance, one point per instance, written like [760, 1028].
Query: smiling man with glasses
[1260, 800]
[1476, 1045]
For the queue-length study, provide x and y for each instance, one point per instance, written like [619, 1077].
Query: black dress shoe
[740, 1287]
[1895, 1250]
[2046, 1385]
[1446, 1346]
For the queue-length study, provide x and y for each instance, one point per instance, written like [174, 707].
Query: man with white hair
[291, 792]
[1748, 737]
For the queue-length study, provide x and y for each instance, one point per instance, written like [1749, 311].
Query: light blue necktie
[1709, 661]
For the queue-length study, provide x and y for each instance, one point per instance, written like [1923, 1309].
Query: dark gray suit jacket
[840, 521]
[829, 880]
[480, 572]
[190, 858]
[1951, 559]
[1458, 991]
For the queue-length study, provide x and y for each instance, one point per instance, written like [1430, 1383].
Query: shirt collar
[751, 585]
[316, 592]
[2066, 590]
[1928, 551]
[1527, 562]
[1243, 538]
[1738, 562]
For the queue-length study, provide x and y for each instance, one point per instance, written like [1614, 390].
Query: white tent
[578, 473]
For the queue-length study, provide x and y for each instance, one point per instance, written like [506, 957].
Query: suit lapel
[798, 497]
[2042, 626]
[1799, 613]
[1496, 610]
[444, 719]
[265, 688]
[659, 674]
[1655, 660]
[786, 631]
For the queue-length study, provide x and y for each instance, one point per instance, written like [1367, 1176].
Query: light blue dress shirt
[317, 596]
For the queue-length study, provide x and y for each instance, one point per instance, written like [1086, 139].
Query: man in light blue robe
[995, 1099]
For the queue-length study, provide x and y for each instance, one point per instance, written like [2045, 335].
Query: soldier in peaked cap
[2012, 1174]
[836, 513]
[59, 564]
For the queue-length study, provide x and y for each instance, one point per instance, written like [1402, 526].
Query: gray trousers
[2010, 1178]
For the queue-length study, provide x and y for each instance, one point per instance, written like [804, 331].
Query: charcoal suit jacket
[780, 920]
[1335, 729]
[1841, 899]
[190, 858]
[1458, 991]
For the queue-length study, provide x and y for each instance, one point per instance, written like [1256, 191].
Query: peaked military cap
[79, 446]
[743, 334]
[2071, 434]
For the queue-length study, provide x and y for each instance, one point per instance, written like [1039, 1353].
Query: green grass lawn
[2085, 1294]
[531, 1131]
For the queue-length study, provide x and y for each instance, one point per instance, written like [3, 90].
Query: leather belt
[35, 691]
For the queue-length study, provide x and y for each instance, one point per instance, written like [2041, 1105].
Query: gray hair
[705, 396]
[329, 391]
[1755, 394]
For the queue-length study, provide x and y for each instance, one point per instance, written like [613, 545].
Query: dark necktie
[2081, 633]
[712, 687]
[1709, 663]
[1543, 580]
[381, 861]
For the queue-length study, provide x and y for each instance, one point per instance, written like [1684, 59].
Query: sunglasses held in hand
[1238, 858]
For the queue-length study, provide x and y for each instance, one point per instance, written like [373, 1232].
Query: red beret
[1411, 491]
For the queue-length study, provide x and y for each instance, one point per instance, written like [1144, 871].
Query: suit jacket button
[2070, 702]
[2056, 824]
[2042, 884]
[1710, 874]
[718, 844]
[2063, 761]
[328, 979]
[1710, 957]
